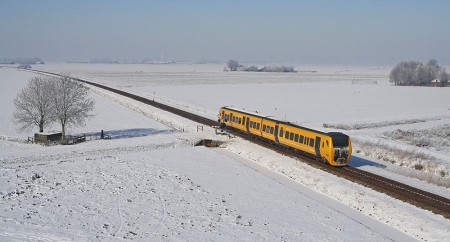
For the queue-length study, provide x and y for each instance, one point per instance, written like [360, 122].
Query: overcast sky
[277, 31]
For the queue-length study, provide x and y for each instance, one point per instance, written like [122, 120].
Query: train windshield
[339, 139]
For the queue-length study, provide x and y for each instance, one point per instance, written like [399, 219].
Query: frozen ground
[104, 188]
[357, 99]
[165, 189]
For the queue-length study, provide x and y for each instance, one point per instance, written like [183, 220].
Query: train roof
[245, 111]
[276, 119]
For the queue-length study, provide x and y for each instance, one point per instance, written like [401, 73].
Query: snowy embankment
[159, 187]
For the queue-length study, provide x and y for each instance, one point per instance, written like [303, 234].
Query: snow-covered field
[359, 99]
[151, 184]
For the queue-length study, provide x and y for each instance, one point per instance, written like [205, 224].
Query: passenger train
[331, 147]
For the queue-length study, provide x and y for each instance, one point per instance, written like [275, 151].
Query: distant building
[47, 137]
[24, 67]
[436, 83]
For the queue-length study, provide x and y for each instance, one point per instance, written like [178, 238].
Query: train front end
[341, 149]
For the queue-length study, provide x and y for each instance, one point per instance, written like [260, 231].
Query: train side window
[281, 132]
[257, 126]
[240, 121]
[264, 128]
[251, 124]
[291, 136]
[311, 142]
[328, 145]
[243, 120]
[271, 130]
[286, 135]
[301, 138]
[306, 140]
[296, 138]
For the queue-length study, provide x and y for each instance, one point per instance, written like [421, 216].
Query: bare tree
[402, 73]
[233, 65]
[433, 68]
[72, 104]
[443, 77]
[415, 73]
[33, 105]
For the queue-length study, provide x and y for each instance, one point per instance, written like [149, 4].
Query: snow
[150, 183]
[338, 96]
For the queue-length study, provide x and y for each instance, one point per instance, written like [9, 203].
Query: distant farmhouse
[438, 83]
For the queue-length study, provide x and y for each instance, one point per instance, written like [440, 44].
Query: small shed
[47, 137]
[436, 83]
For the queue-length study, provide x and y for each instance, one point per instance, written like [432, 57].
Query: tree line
[233, 65]
[47, 100]
[414, 73]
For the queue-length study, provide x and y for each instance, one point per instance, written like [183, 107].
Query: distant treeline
[24, 61]
[414, 73]
[233, 65]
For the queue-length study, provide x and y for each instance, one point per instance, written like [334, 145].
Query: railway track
[423, 199]
[420, 198]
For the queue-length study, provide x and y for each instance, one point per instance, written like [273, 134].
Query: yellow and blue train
[332, 147]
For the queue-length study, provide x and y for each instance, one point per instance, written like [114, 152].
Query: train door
[276, 133]
[247, 124]
[318, 146]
